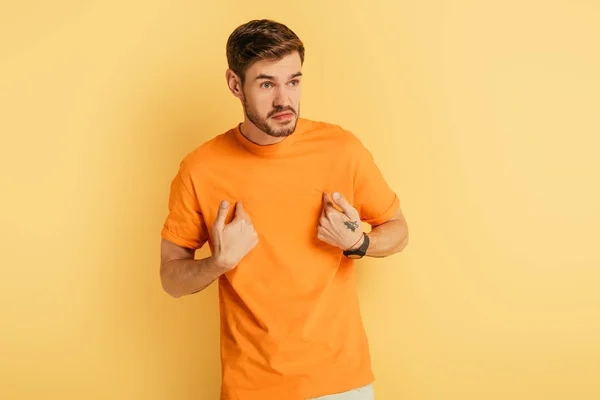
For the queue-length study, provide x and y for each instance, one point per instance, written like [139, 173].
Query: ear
[234, 83]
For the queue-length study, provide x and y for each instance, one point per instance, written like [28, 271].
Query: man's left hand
[339, 229]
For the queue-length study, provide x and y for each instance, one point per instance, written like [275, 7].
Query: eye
[266, 85]
[294, 82]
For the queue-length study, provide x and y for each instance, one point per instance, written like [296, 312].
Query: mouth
[283, 116]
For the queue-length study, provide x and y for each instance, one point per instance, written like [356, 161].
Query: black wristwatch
[361, 251]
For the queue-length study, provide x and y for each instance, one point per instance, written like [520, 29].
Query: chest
[284, 198]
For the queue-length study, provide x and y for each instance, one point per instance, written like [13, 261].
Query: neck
[255, 135]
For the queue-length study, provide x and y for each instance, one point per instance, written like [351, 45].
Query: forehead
[281, 69]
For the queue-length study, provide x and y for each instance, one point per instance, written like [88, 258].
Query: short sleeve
[184, 225]
[374, 199]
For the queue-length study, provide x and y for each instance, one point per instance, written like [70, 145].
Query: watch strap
[361, 251]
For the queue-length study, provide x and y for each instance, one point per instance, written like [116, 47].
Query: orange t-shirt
[291, 327]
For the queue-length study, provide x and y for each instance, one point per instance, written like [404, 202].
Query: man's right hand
[232, 241]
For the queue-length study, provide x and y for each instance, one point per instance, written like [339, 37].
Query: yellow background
[483, 115]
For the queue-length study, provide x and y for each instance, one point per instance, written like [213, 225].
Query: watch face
[354, 256]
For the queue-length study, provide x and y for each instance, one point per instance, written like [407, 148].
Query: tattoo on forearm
[352, 225]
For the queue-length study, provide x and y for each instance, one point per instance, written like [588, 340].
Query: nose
[281, 98]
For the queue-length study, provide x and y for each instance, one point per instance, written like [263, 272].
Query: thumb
[344, 205]
[222, 214]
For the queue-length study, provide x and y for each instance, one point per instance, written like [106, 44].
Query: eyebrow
[264, 76]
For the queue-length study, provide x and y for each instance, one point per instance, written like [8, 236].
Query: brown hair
[260, 40]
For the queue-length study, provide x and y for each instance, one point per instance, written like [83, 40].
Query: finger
[322, 235]
[323, 213]
[324, 238]
[327, 199]
[239, 210]
[329, 213]
[344, 205]
[327, 202]
[323, 220]
[222, 214]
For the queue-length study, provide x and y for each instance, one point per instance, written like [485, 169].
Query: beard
[268, 125]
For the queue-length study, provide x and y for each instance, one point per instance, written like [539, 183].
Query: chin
[284, 132]
[283, 129]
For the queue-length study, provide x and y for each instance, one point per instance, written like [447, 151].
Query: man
[280, 201]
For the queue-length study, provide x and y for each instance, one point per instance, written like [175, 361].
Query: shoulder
[208, 152]
[331, 131]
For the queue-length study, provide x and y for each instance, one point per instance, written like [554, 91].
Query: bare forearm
[387, 239]
[184, 277]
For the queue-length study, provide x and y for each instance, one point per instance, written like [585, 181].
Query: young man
[280, 201]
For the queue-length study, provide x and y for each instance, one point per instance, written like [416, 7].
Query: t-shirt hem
[317, 389]
[389, 213]
[170, 236]
[338, 387]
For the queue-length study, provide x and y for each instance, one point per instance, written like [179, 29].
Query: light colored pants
[362, 393]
